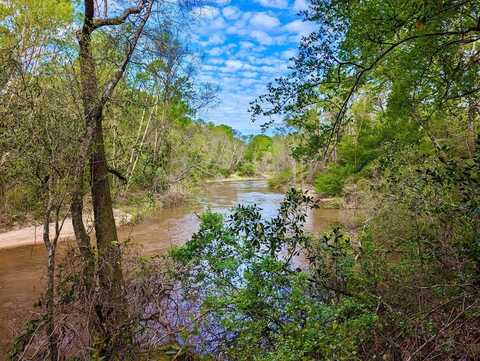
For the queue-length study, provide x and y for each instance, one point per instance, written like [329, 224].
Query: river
[22, 269]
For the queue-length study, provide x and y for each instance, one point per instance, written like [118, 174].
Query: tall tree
[94, 99]
[422, 55]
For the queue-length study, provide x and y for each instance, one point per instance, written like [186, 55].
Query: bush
[259, 303]
[331, 181]
[281, 180]
[247, 170]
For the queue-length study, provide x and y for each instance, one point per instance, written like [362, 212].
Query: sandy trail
[32, 235]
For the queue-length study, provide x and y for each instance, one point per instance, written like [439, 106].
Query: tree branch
[117, 173]
[89, 9]
[118, 20]
[128, 54]
[365, 69]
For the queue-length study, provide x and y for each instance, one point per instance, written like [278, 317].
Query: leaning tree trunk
[51, 246]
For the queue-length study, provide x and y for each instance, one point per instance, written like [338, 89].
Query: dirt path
[33, 234]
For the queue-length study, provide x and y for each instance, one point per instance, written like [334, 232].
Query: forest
[104, 111]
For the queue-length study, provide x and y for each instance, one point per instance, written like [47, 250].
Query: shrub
[259, 302]
[331, 181]
[282, 179]
[247, 170]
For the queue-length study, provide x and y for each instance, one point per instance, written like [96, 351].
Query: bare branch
[118, 20]
[128, 54]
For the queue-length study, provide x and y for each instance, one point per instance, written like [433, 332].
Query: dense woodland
[380, 110]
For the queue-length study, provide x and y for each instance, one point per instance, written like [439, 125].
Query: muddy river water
[22, 269]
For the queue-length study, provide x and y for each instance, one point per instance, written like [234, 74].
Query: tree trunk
[3, 198]
[50, 303]
[471, 128]
[81, 235]
[110, 272]
[109, 257]
[50, 294]
[140, 148]
[110, 307]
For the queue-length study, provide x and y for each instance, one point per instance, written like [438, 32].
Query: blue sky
[245, 44]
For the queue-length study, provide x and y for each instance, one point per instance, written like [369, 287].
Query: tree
[258, 147]
[255, 298]
[167, 80]
[94, 99]
[38, 133]
[422, 56]
[26, 29]
[417, 153]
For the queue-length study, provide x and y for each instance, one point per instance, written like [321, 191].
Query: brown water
[22, 270]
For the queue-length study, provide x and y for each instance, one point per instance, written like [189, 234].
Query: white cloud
[233, 108]
[210, 68]
[216, 61]
[247, 45]
[215, 51]
[231, 12]
[300, 5]
[233, 65]
[250, 74]
[244, 50]
[216, 39]
[247, 82]
[262, 37]
[272, 61]
[263, 20]
[300, 27]
[235, 29]
[206, 12]
[217, 23]
[288, 54]
[279, 4]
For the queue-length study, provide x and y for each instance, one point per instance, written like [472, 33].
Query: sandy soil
[33, 234]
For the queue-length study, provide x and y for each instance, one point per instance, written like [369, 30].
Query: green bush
[259, 303]
[282, 179]
[331, 181]
[247, 170]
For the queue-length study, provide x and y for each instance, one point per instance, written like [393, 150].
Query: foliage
[258, 146]
[384, 92]
[245, 272]
[420, 57]
[247, 169]
[332, 180]
[282, 179]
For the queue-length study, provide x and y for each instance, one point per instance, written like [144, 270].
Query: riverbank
[136, 207]
[141, 204]
[32, 235]
[129, 209]
[237, 178]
